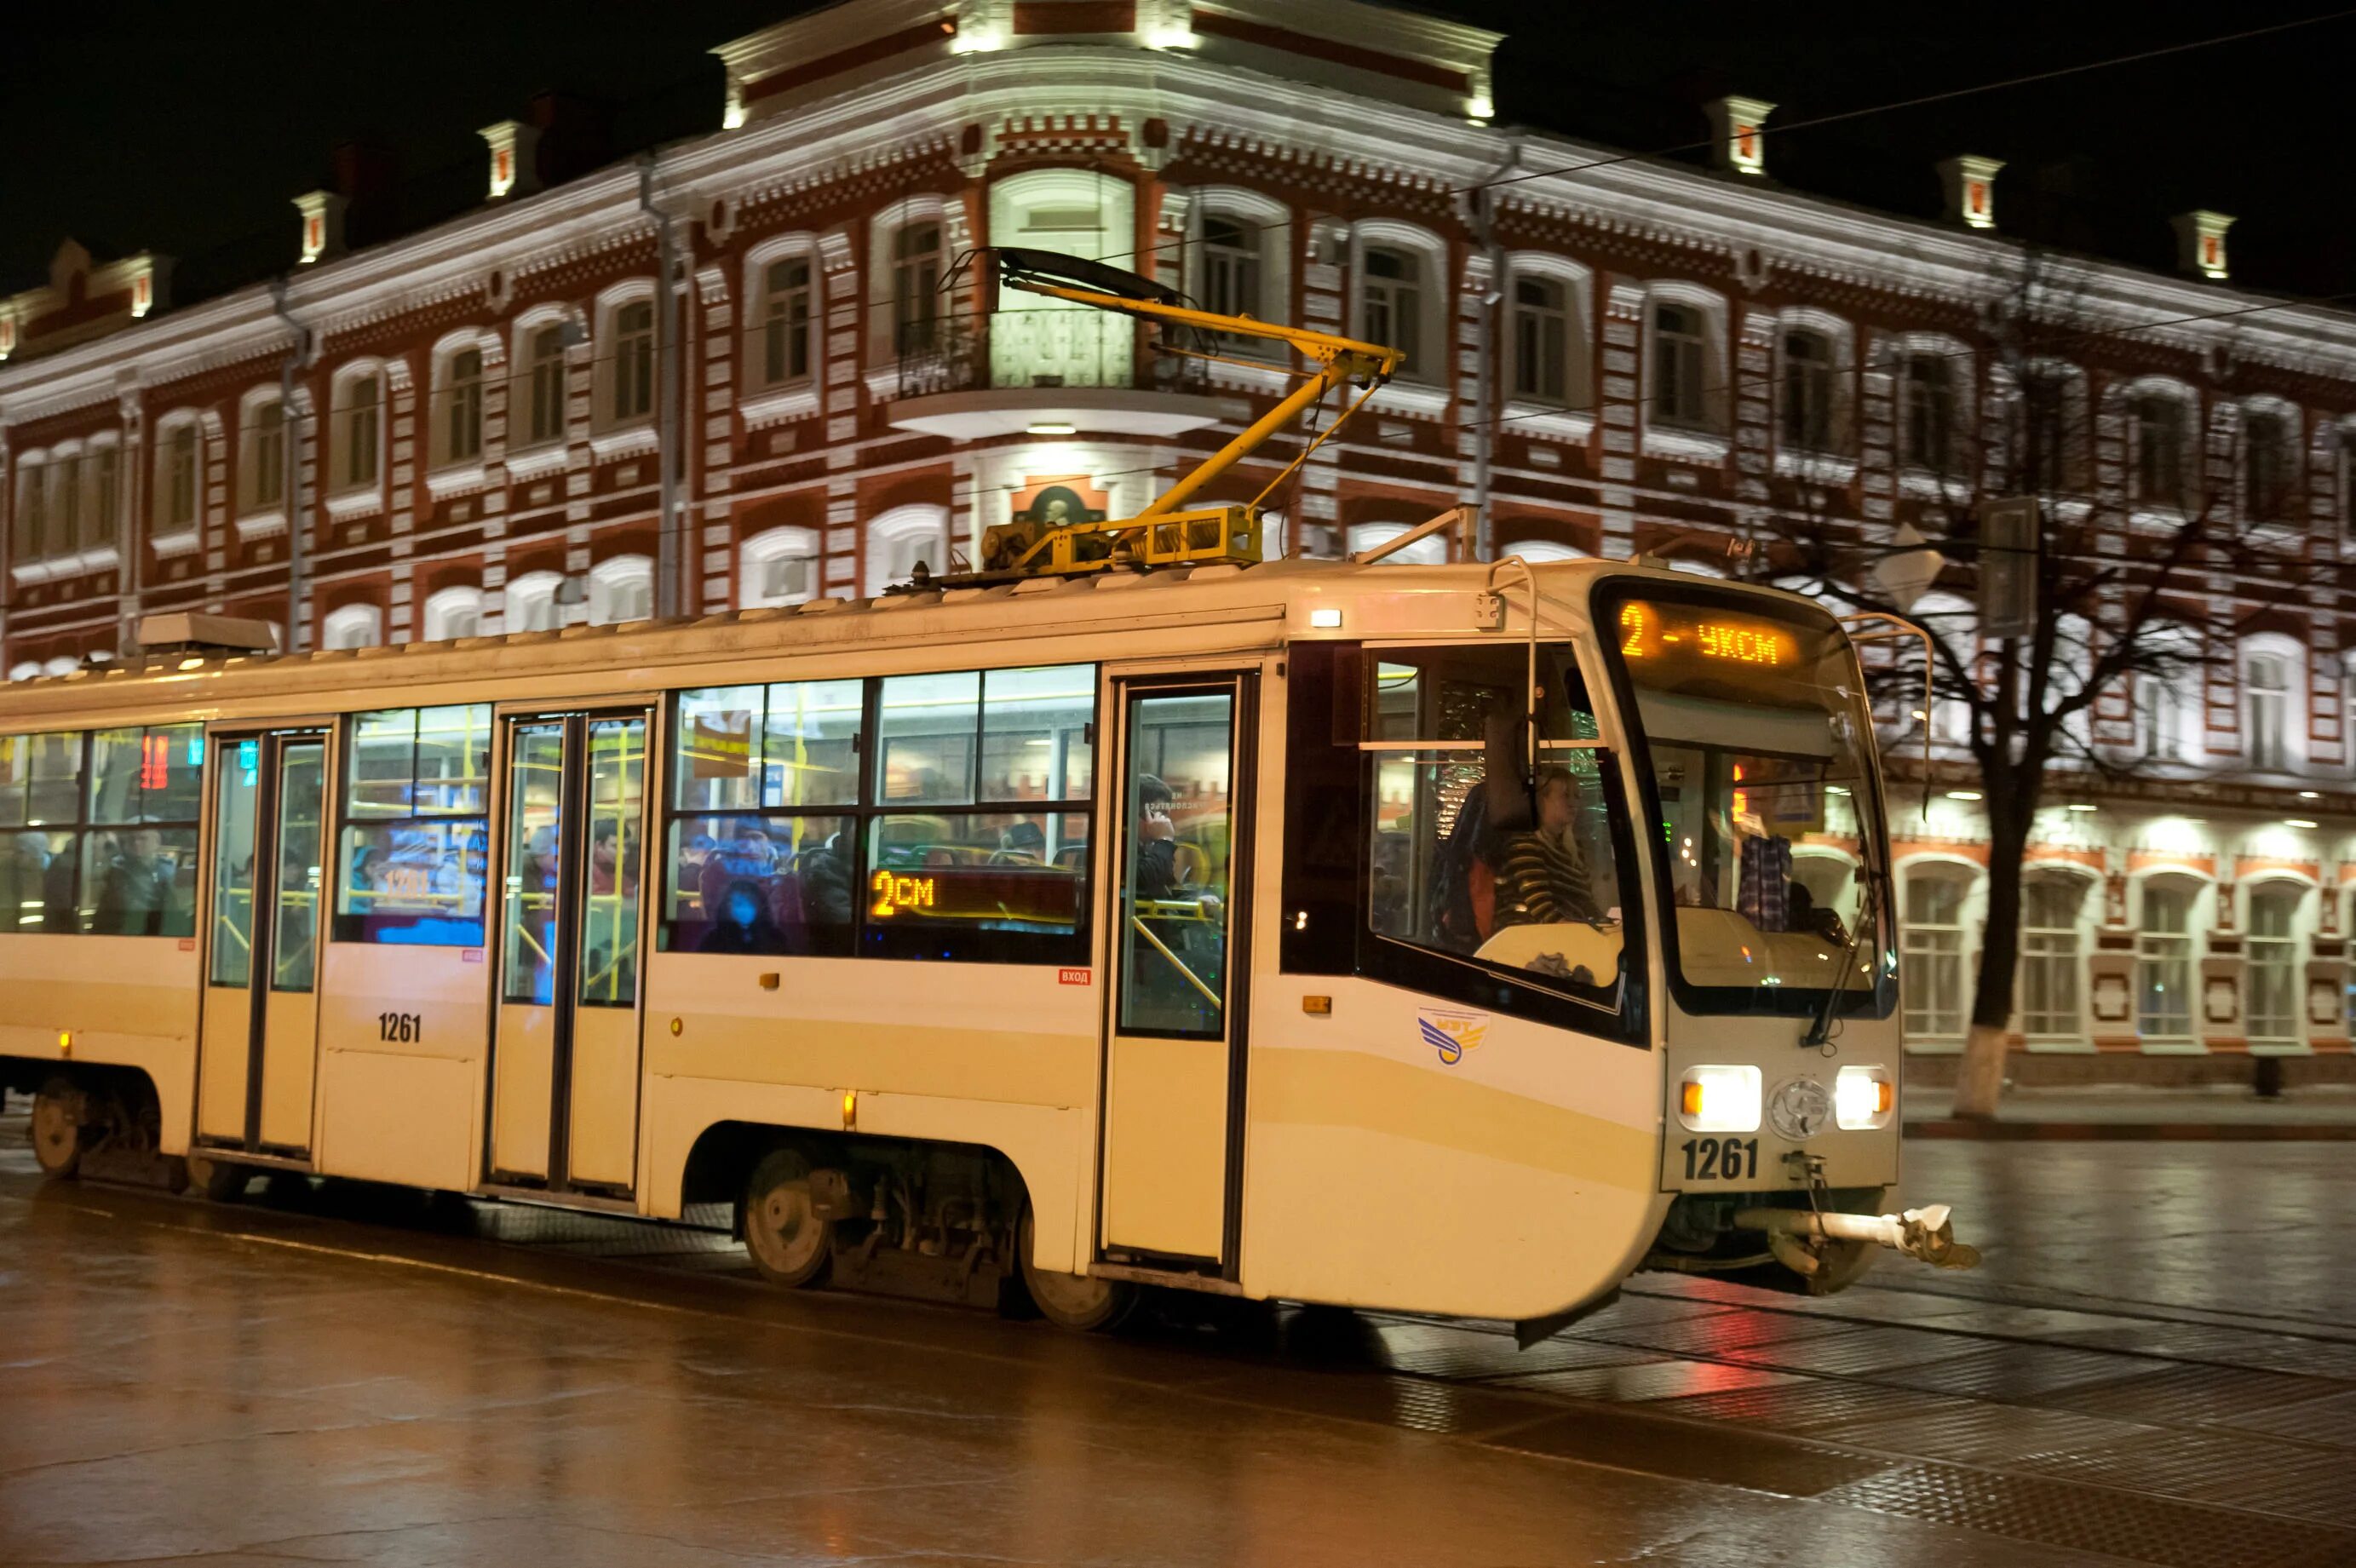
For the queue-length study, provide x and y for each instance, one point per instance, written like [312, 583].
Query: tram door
[1174, 1051]
[564, 1055]
[258, 1060]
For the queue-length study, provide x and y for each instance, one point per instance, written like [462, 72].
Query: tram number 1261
[408, 1028]
[1722, 1159]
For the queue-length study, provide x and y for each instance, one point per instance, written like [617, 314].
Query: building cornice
[1306, 134]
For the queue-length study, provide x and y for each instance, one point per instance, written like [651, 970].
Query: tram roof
[1203, 612]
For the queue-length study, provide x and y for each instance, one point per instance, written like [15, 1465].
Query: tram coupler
[1927, 1233]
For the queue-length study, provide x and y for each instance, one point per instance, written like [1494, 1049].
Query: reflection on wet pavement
[2158, 1364]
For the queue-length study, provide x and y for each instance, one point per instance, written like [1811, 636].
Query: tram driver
[1543, 876]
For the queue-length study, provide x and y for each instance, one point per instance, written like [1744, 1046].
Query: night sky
[187, 128]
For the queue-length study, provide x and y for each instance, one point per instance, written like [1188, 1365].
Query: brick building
[461, 432]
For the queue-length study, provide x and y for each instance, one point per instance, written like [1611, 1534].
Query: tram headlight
[1721, 1099]
[1863, 1098]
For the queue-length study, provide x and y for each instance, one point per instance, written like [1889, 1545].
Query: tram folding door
[258, 1050]
[565, 1050]
[1179, 928]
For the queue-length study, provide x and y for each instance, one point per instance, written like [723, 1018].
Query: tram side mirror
[1511, 795]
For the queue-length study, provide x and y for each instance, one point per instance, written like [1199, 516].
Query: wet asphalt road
[2157, 1364]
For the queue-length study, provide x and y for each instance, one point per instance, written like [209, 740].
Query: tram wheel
[57, 1129]
[1075, 1301]
[218, 1180]
[790, 1244]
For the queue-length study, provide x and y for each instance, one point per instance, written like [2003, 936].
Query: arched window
[2053, 956]
[1429, 550]
[457, 421]
[2269, 463]
[352, 626]
[784, 311]
[621, 588]
[1540, 338]
[916, 287]
[1390, 302]
[2164, 959]
[32, 541]
[453, 613]
[176, 492]
[1931, 954]
[540, 381]
[901, 538]
[356, 441]
[1231, 266]
[2273, 725]
[1242, 262]
[261, 465]
[65, 501]
[1810, 387]
[2158, 436]
[778, 568]
[2048, 419]
[1926, 413]
[102, 514]
[531, 601]
[64, 664]
[2275, 963]
[633, 371]
[1683, 388]
[29, 669]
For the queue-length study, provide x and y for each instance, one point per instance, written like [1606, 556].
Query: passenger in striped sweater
[1542, 873]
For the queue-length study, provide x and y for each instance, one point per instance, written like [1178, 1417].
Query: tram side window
[416, 794]
[1536, 892]
[962, 844]
[110, 848]
[40, 785]
[139, 848]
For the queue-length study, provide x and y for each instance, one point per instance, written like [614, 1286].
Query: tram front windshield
[1756, 734]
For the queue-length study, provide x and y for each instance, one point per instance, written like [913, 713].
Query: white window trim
[899, 523]
[108, 553]
[1272, 220]
[2304, 915]
[883, 229]
[183, 540]
[615, 572]
[762, 402]
[2087, 924]
[2299, 684]
[443, 474]
[2142, 513]
[1573, 419]
[1913, 477]
[1541, 550]
[611, 436]
[775, 544]
[28, 473]
[356, 500]
[1970, 910]
[1711, 444]
[2199, 912]
[340, 620]
[1435, 320]
[254, 521]
[439, 606]
[526, 456]
[1834, 467]
[529, 588]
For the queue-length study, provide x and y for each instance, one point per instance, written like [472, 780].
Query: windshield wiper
[1867, 915]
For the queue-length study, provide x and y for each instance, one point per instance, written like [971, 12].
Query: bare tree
[2110, 589]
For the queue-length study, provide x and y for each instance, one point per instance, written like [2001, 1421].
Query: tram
[1456, 939]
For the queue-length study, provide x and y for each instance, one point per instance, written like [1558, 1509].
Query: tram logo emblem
[1452, 1033]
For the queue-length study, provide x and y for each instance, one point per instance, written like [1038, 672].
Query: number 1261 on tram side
[1457, 939]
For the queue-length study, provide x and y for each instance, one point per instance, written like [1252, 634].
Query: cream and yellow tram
[1456, 939]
